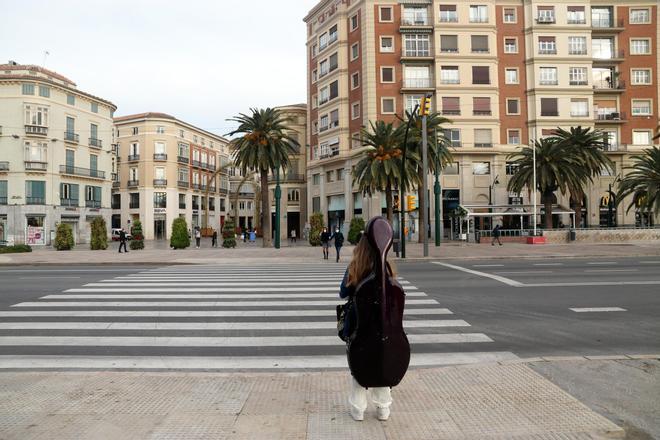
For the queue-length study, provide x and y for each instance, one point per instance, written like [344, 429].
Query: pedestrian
[339, 241]
[214, 239]
[496, 235]
[122, 240]
[198, 237]
[360, 267]
[293, 236]
[245, 234]
[325, 242]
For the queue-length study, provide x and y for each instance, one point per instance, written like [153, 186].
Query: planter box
[535, 240]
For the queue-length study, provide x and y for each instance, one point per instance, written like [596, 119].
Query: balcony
[182, 183]
[415, 21]
[95, 143]
[614, 147]
[3, 200]
[483, 145]
[92, 204]
[72, 137]
[204, 165]
[160, 156]
[35, 166]
[69, 202]
[4, 166]
[613, 56]
[182, 159]
[482, 113]
[196, 163]
[182, 205]
[545, 19]
[418, 83]
[133, 157]
[417, 54]
[618, 86]
[133, 183]
[330, 153]
[195, 186]
[606, 24]
[203, 187]
[36, 130]
[160, 182]
[134, 205]
[116, 184]
[611, 117]
[35, 200]
[82, 172]
[548, 51]
[211, 167]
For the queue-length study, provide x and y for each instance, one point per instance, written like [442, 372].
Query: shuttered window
[480, 75]
[449, 43]
[451, 105]
[481, 106]
[549, 107]
[479, 43]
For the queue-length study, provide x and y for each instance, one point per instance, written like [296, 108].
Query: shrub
[357, 225]
[137, 242]
[64, 237]
[228, 235]
[316, 227]
[180, 238]
[15, 249]
[99, 234]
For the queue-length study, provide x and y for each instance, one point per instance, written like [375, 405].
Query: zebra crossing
[279, 317]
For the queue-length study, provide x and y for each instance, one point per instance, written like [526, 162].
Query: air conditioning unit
[616, 116]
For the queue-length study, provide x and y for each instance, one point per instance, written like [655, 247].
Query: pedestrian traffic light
[425, 105]
[411, 203]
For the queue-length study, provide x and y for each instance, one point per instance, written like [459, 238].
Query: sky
[201, 61]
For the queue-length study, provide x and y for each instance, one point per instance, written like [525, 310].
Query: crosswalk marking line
[197, 314]
[334, 284]
[230, 277]
[195, 303]
[249, 325]
[233, 362]
[205, 296]
[210, 289]
[597, 309]
[224, 341]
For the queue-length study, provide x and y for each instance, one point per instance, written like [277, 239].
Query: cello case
[378, 351]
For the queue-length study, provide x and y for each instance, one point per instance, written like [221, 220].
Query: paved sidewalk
[160, 253]
[487, 401]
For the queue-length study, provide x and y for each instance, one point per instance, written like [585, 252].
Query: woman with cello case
[377, 347]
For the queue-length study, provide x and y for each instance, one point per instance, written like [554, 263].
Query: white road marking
[225, 341]
[602, 263]
[596, 283]
[288, 325]
[487, 265]
[293, 283]
[206, 296]
[548, 264]
[103, 288]
[610, 270]
[196, 313]
[523, 272]
[506, 281]
[649, 262]
[233, 362]
[196, 303]
[48, 278]
[597, 309]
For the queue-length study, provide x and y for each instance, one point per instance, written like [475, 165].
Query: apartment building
[166, 169]
[504, 72]
[55, 155]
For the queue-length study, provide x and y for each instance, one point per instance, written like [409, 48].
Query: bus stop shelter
[521, 211]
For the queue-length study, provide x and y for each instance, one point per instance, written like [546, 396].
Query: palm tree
[589, 146]
[643, 182]
[380, 167]
[556, 169]
[264, 146]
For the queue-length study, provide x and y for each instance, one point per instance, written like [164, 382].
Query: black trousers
[122, 243]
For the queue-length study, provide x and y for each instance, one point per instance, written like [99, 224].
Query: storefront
[35, 232]
[3, 228]
[160, 224]
[72, 221]
[336, 211]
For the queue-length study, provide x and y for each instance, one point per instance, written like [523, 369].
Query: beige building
[56, 155]
[167, 169]
[505, 72]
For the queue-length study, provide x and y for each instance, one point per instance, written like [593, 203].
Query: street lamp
[402, 196]
[436, 191]
[490, 196]
[278, 196]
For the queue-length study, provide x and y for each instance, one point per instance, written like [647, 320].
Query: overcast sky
[202, 61]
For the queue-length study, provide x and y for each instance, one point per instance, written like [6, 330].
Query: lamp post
[436, 191]
[490, 197]
[278, 196]
[402, 196]
[534, 166]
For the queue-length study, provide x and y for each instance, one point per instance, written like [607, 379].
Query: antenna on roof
[46, 53]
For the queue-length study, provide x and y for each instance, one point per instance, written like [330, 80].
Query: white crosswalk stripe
[279, 316]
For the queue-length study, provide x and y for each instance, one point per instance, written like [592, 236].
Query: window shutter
[576, 9]
[549, 106]
[482, 136]
[480, 75]
[450, 104]
[479, 43]
[73, 189]
[481, 104]
[449, 42]
[546, 39]
[447, 8]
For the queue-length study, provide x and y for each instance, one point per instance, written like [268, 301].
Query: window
[479, 43]
[449, 75]
[71, 99]
[511, 75]
[315, 76]
[481, 106]
[134, 149]
[453, 135]
[451, 169]
[577, 76]
[547, 45]
[355, 51]
[640, 46]
[509, 15]
[480, 75]
[579, 108]
[334, 89]
[341, 173]
[35, 192]
[159, 147]
[36, 115]
[641, 137]
[577, 45]
[576, 15]
[387, 44]
[513, 106]
[355, 110]
[355, 22]
[293, 195]
[641, 107]
[355, 80]
[451, 105]
[385, 14]
[411, 101]
[387, 105]
[545, 14]
[69, 194]
[135, 130]
[480, 168]
[511, 168]
[641, 76]
[513, 137]
[44, 91]
[602, 48]
[334, 64]
[479, 14]
[28, 89]
[549, 107]
[510, 45]
[548, 76]
[414, 15]
[448, 14]
[36, 152]
[417, 76]
[387, 74]
[95, 107]
[417, 45]
[449, 43]
[183, 175]
[330, 176]
[316, 179]
[160, 200]
[601, 17]
[638, 16]
[483, 138]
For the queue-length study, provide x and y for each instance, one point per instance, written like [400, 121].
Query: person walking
[214, 239]
[497, 231]
[293, 236]
[122, 240]
[325, 242]
[198, 237]
[339, 241]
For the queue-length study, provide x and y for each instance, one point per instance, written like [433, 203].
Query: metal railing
[196, 163]
[195, 186]
[548, 51]
[611, 116]
[160, 182]
[92, 203]
[133, 157]
[182, 159]
[3, 200]
[599, 21]
[610, 85]
[483, 144]
[134, 205]
[482, 112]
[183, 183]
[70, 136]
[417, 53]
[160, 156]
[415, 21]
[36, 129]
[182, 206]
[85, 172]
[413, 83]
[69, 202]
[133, 183]
[35, 200]
[116, 184]
[4, 166]
[35, 165]
[93, 142]
[613, 55]
[451, 112]
[545, 19]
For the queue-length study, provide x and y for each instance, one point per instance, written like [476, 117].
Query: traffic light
[411, 203]
[396, 205]
[425, 105]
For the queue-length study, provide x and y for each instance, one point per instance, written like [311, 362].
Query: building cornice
[156, 116]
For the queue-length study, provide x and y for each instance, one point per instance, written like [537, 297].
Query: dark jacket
[339, 239]
[345, 292]
[122, 236]
[496, 231]
[325, 237]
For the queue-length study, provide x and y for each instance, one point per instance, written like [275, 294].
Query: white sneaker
[357, 415]
[383, 413]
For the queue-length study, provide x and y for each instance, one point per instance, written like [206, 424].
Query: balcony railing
[610, 116]
[417, 83]
[182, 206]
[70, 136]
[35, 200]
[605, 22]
[182, 159]
[578, 83]
[211, 167]
[482, 112]
[97, 143]
[548, 51]
[4, 166]
[84, 172]
[610, 85]
[451, 112]
[133, 183]
[196, 163]
[417, 53]
[195, 186]
[450, 81]
[114, 205]
[160, 182]
[204, 165]
[69, 202]
[183, 183]
[3, 200]
[35, 166]
[92, 203]
[548, 82]
[545, 19]
[160, 156]
[610, 55]
[195, 207]
[134, 205]
[133, 157]
[415, 21]
[483, 144]
[36, 130]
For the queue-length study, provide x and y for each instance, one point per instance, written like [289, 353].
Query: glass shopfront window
[35, 233]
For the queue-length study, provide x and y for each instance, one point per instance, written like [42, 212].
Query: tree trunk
[266, 231]
[547, 203]
[421, 203]
[577, 206]
[388, 202]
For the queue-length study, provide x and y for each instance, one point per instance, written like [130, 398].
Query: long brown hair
[364, 258]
